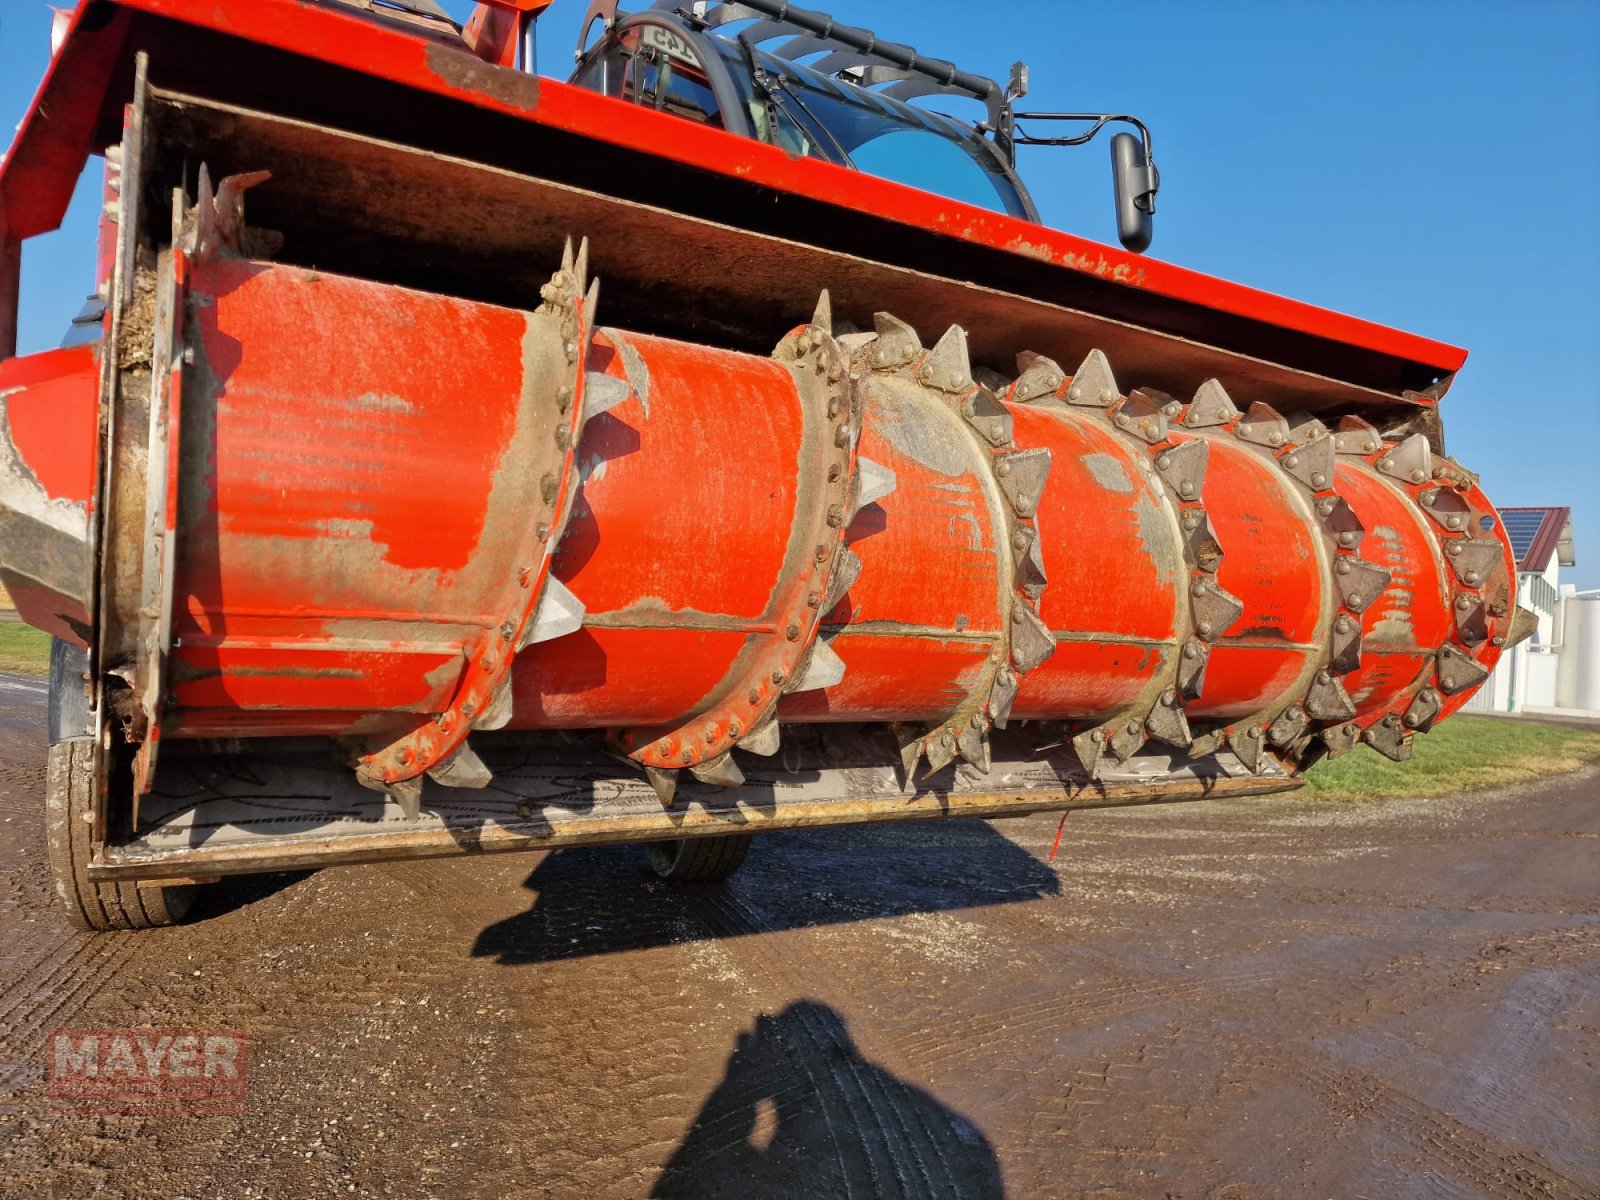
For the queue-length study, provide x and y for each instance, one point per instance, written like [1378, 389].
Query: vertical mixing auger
[362, 538]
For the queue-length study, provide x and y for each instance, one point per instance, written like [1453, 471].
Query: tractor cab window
[653, 66]
[808, 113]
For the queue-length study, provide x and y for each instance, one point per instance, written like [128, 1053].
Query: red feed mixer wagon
[370, 527]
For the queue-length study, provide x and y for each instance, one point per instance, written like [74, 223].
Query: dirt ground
[1241, 1000]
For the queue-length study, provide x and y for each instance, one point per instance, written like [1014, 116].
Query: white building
[1558, 668]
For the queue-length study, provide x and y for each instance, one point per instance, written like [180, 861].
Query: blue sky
[1424, 164]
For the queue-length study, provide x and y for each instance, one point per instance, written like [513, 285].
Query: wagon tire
[69, 803]
[700, 860]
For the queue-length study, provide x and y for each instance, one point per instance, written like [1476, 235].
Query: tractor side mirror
[1137, 181]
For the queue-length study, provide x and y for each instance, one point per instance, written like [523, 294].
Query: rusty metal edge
[314, 851]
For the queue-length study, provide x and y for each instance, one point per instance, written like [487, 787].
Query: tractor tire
[95, 906]
[700, 860]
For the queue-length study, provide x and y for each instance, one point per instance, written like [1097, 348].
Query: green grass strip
[1462, 754]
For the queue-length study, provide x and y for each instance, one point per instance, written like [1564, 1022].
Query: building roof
[1537, 534]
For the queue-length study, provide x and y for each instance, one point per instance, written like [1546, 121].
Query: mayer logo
[147, 1070]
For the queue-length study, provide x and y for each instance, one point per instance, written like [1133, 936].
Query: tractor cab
[845, 99]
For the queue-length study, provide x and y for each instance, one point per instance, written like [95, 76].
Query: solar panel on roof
[1522, 527]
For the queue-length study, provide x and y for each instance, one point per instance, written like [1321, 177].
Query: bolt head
[1291, 460]
[792, 633]
[1275, 439]
[1319, 480]
[1107, 396]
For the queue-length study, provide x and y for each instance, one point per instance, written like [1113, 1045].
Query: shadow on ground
[800, 1112]
[604, 900]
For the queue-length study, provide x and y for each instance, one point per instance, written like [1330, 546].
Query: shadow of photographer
[800, 1112]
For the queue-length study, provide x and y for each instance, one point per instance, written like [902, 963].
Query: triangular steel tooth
[1205, 551]
[990, 418]
[1341, 739]
[720, 771]
[591, 299]
[1126, 740]
[973, 743]
[1341, 522]
[823, 317]
[1037, 377]
[1246, 744]
[1168, 722]
[497, 715]
[1326, 699]
[766, 739]
[1093, 384]
[948, 366]
[1360, 582]
[602, 393]
[824, 669]
[1311, 462]
[1424, 710]
[897, 344]
[1389, 738]
[1210, 407]
[846, 570]
[1031, 640]
[1355, 436]
[1305, 429]
[1264, 426]
[1207, 744]
[1213, 608]
[407, 793]
[559, 613]
[1473, 559]
[1344, 655]
[1410, 461]
[463, 769]
[566, 256]
[1447, 508]
[1002, 696]
[1472, 619]
[1196, 654]
[1458, 672]
[911, 740]
[873, 482]
[1184, 467]
[1031, 577]
[1144, 415]
[1089, 746]
[941, 751]
[1524, 624]
[1289, 727]
[205, 217]
[665, 784]
[580, 268]
[855, 341]
[1022, 477]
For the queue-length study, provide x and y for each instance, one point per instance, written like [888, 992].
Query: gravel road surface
[1235, 1000]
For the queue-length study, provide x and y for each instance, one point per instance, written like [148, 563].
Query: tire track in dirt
[1478, 1159]
[61, 990]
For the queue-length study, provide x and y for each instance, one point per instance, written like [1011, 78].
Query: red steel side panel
[36, 183]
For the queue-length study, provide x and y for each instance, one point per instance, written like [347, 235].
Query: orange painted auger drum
[394, 519]
[361, 535]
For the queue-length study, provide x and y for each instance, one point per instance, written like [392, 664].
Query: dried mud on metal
[1240, 999]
